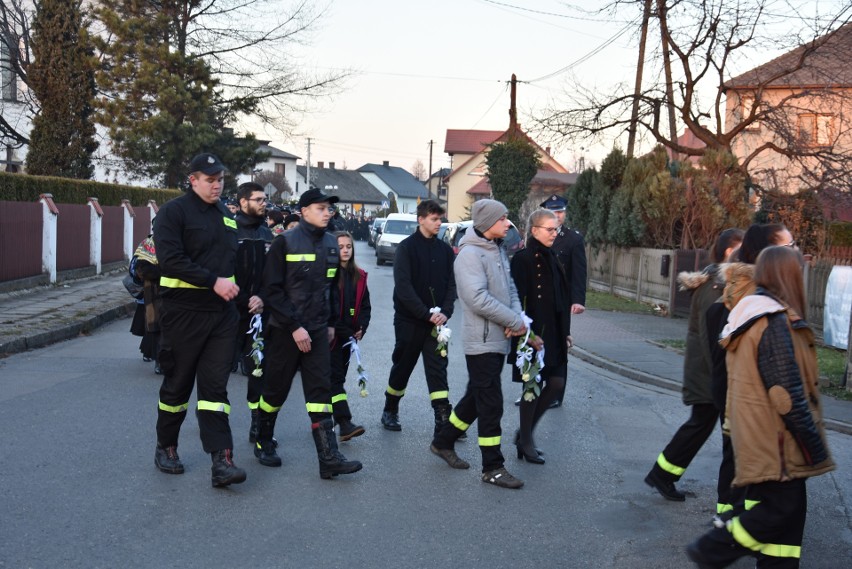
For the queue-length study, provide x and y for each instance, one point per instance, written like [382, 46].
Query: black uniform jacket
[300, 268]
[423, 278]
[196, 244]
[253, 238]
[570, 249]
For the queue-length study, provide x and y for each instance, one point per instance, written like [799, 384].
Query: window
[279, 169]
[816, 130]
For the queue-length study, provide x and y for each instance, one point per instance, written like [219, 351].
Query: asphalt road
[78, 487]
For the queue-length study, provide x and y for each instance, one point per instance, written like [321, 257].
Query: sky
[425, 67]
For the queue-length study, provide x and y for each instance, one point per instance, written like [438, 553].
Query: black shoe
[502, 478]
[331, 460]
[224, 471]
[534, 458]
[167, 460]
[146, 359]
[266, 454]
[554, 404]
[157, 368]
[348, 430]
[518, 402]
[390, 420]
[450, 457]
[696, 556]
[517, 440]
[666, 488]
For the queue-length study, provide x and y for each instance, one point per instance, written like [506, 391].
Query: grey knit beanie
[486, 213]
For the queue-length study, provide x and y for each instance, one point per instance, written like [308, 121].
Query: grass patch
[832, 368]
[605, 301]
[679, 345]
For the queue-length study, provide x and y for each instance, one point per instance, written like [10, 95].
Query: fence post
[129, 214]
[612, 270]
[96, 215]
[50, 214]
[153, 208]
[639, 276]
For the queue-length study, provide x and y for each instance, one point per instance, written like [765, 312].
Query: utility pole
[308, 176]
[667, 65]
[637, 89]
[513, 110]
[429, 173]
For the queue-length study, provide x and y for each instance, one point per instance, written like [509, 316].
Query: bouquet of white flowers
[529, 362]
[442, 334]
[355, 352]
[255, 329]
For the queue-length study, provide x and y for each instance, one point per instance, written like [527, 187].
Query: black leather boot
[331, 461]
[253, 427]
[167, 460]
[225, 472]
[264, 447]
[442, 417]
[349, 430]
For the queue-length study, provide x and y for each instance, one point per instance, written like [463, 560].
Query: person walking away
[543, 293]
[492, 314]
[297, 287]
[570, 249]
[773, 408]
[697, 390]
[253, 239]
[423, 296]
[148, 271]
[196, 240]
[352, 322]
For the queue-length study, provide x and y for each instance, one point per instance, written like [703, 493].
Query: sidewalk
[623, 343]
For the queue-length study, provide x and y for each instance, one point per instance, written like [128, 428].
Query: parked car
[397, 227]
[513, 241]
[374, 230]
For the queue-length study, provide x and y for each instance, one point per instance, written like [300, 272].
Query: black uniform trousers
[283, 360]
[686, 442]
[243, 350]
[483, 400]
[412, 341]
[771, 529]
[340, 357]
[196, 347]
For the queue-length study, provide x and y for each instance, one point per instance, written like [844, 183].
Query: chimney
[331, 165]
[386, 163]
[320, 165]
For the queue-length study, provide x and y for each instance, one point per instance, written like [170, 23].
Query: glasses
[790, 244]
[548, 229]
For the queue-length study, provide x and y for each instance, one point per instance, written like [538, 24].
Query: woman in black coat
[543, 292]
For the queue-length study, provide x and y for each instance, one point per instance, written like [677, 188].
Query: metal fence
[20, 240]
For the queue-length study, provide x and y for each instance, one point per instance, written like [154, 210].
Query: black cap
[554, 203]
[316, 195]
[206, 163]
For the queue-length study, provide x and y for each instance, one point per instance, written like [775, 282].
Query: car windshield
[378, 223]
[400, 227]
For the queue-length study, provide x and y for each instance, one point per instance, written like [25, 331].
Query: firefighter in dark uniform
[196, 243]
[300, 269]
[570, 249]
[254, 238]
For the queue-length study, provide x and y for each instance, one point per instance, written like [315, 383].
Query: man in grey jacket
[492, 314]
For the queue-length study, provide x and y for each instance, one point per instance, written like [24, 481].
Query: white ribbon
[524, 356]
[528, 323]
[255, 329]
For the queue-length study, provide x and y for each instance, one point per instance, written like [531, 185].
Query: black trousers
[283, 360]
[340, 357]
[482, 400]
[412, 342]
[196, 347]
[771, 529]
[686, 442]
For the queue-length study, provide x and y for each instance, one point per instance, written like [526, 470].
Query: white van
[397, 227]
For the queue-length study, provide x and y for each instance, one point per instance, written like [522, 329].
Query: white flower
[525, 377]
[443, 353]
[435, 310]
[364, 391]
[257, 372]
[529, 396]
[444, 334]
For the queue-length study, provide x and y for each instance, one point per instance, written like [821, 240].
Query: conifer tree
[62, 78]
[511, 167]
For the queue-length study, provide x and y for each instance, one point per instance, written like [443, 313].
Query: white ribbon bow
[255, 329]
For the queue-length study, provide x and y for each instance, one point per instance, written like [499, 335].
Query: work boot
[225, 472]
[450, 457]
[264, 447]
[167, 460]
[390, 419]
[442, 417]
[349, 430]
[253, 429]
[501, 477]
[331, 461]
[666, 488]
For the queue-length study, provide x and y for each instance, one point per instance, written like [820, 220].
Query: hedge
[26, 188]
[840, 234]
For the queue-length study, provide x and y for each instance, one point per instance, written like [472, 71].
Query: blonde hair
[537, 216]
[779, 270]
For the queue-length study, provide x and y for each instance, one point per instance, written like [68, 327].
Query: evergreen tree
[612, 172]
[511, 167]
[62, 79]
[579, 199]
[162, 106]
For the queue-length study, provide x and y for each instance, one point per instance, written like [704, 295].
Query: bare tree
[17, 106]
[282, 187]
[418, 170]
[707, 40]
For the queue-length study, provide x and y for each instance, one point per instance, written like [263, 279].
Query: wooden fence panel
[21, 225]
[112, 234]
[73, 235]
[141, 224]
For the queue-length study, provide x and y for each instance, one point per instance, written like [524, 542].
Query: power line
[544, 13]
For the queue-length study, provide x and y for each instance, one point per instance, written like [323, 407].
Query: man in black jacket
[196, 244]
[423, 296]
[253, 238]
[300, 269]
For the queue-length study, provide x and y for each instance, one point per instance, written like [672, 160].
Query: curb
[42, 339]
[642, 377]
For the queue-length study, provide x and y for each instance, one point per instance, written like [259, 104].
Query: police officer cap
[554, 203]
[206, 163]
[316, 195]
